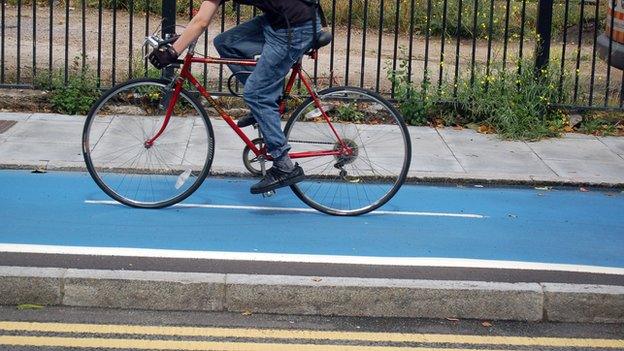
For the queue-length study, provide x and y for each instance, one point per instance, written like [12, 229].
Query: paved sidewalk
[53, 141]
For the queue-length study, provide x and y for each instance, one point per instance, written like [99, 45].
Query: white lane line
[299, 258]
[297, 209]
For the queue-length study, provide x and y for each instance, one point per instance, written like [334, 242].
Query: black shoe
[246, 121]
[276, 178]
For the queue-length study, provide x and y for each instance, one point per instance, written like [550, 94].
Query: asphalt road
[60, 328]
[438, 232]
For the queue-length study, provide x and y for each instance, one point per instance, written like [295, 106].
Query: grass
[602, 123]
[515, 104]
[406, 15]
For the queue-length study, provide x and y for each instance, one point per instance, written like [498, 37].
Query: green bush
[415, 103]
[421, 103]
[77, 95]
[513, 102]
[516, 103]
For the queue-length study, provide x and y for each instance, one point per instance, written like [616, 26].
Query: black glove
[163, 57]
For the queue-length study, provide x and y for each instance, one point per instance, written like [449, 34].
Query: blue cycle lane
[558, 226]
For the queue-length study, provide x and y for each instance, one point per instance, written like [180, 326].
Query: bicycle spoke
[142, 175]
[364, 179]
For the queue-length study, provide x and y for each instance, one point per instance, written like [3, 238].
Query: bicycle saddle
[323, 39]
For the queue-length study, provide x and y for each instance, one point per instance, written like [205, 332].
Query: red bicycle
[149, 143]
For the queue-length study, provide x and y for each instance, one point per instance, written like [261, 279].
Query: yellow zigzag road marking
[310, 335]
[137, 344]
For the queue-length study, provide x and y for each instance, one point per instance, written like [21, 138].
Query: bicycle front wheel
[134, 171]
[376, 145]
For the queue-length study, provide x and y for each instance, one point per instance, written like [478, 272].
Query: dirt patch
[25, 100]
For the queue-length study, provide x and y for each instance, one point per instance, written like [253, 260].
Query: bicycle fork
[170, 97]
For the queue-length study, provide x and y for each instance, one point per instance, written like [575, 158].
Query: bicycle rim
[138, 174]
[356, 183]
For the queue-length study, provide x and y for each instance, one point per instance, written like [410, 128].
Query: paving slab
[588, 170]
[468, 142]
[615, 144]
[14, 116]
[32, 153]
[480, 153]
[61, 132]
[427, 141]
[435, 164]
[504, 161]
[55, 117]
[574, 148]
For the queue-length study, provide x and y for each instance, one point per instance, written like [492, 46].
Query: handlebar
[155, 41]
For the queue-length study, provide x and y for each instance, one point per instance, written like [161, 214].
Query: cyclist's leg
[244, 41]
[282, 48]
[264, 86]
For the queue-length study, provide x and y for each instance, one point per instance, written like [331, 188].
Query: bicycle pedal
[269, 193]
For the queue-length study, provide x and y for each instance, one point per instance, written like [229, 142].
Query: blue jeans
[265, 85]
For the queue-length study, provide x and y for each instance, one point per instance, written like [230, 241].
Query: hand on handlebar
[163, 56]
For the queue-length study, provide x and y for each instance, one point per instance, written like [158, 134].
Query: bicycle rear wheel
[141, 174]
[359, 181]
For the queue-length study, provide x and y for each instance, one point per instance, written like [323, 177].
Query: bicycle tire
[159, 168]
[376, 110]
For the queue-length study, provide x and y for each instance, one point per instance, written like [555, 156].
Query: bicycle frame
[185, 75]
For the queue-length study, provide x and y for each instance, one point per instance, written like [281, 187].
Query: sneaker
[246, 121]
[276, 178]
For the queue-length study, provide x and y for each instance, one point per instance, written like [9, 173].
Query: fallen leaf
[29, 306]
[458, 128]
[486, 324]
[247, 313]
[484, 129]
[568, 129]
[583, 189]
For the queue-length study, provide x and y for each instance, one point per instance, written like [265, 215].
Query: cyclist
[281, 37]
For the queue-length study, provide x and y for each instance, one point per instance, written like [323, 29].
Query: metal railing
[445, 41]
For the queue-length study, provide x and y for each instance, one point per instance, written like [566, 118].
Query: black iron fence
[443, 43]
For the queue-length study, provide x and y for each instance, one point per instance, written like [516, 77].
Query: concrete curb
[326, 296]
[421, 178]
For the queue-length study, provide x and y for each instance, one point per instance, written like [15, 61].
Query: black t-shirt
[277, 11]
